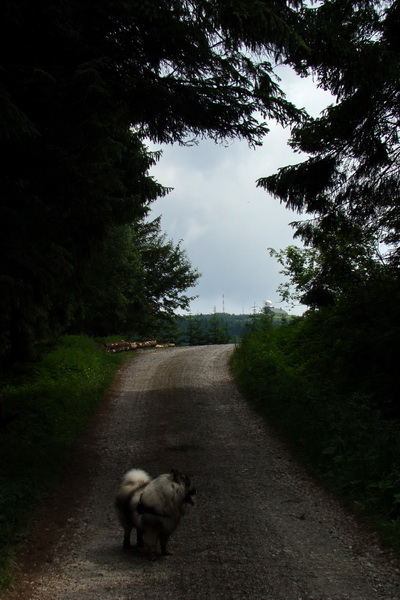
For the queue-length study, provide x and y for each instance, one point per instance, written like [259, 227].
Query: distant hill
[219, 328]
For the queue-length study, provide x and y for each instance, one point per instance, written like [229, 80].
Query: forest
[219, 328]
[84, 87]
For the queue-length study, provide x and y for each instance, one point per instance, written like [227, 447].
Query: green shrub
[299, 376]
[44, 407]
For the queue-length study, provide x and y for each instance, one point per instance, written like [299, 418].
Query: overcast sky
[225, 222]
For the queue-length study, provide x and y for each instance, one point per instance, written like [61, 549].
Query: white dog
[153, 507]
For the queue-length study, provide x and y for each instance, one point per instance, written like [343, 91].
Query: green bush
[44, 407]
[301, 377]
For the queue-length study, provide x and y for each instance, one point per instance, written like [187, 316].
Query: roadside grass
[339, 432]
[44, 406]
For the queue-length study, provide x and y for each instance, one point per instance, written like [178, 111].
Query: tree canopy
[82, 86]
[349, 271]
[135, 282]
[350, 182]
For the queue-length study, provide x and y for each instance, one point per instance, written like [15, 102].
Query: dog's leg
[140, 542]
[127, 537]
[164, 539]
[150, 544]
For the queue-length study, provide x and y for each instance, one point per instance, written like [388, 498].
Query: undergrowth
[44, 406]
[308, 390]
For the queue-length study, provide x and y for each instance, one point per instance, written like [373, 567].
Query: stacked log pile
[123, 346]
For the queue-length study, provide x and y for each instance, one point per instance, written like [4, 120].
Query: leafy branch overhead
[350, 182]
[82, 85]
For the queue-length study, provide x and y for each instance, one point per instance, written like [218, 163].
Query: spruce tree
[349, 185]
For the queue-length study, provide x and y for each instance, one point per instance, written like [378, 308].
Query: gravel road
[261, 528]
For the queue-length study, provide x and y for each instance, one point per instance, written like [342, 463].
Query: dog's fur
[153, 507]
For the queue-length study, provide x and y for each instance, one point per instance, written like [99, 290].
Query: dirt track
[261, 529]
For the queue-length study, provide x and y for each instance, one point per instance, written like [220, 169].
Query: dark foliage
[327, 382]
[44, 407]
[350, 183]
[81, 85]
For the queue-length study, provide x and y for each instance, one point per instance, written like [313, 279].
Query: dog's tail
[132, 482]
[135, 479]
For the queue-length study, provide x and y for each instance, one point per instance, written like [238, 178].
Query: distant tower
[223, 304]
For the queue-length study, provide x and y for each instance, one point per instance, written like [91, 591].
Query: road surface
[261, 528]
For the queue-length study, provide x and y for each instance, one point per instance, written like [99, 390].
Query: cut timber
[123, 346]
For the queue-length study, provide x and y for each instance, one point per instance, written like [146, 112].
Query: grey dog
[154, 507]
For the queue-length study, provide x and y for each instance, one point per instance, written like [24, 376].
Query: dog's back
[165, 496]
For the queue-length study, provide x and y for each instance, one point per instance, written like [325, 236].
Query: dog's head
[184, 480]
[189, 496]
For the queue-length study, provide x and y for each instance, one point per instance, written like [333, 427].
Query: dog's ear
[177, 475]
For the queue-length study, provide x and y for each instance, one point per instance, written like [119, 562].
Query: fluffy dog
[153, 507]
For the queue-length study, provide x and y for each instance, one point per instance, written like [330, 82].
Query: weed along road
[260, 529]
